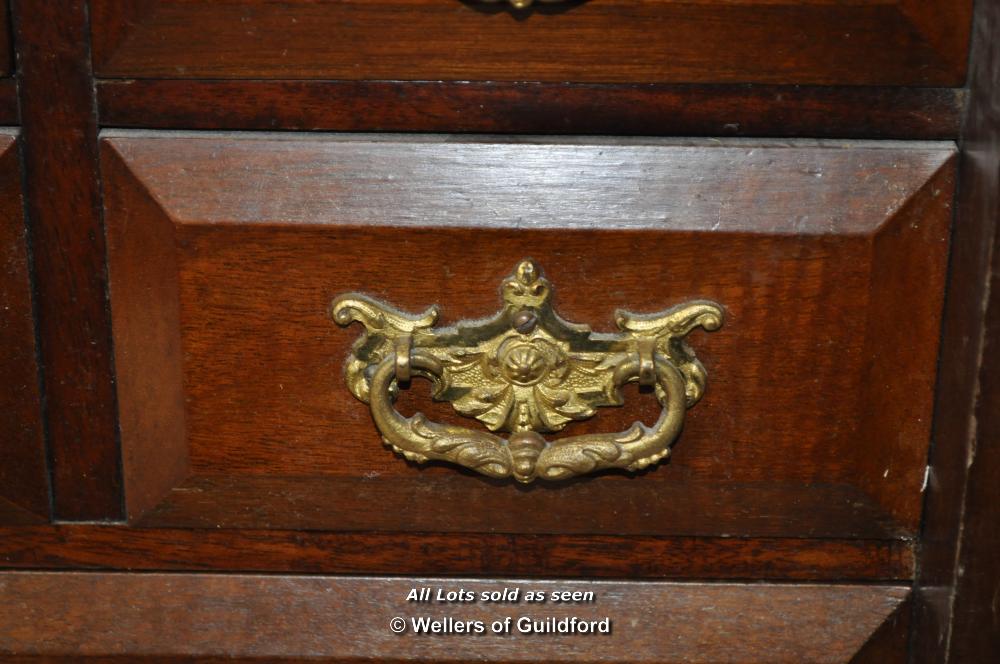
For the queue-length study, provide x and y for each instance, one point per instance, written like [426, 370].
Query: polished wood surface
[632, 556]
[24, 483]
[859, 43]
[674, 110]
[277, 617]
[63, 202]
[267, 230]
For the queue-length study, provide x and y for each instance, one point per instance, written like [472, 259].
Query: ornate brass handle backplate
[526, 371]
[522, 4]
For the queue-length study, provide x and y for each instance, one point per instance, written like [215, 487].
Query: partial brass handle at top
[526, 371]
[522, 4]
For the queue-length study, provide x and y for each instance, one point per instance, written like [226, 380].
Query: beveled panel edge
[910, 251]
[889, 644]
[463, 162]
[142, 276]
[99, 614]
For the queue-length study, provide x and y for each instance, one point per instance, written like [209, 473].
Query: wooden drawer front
[226, 251]
[911, 42]
[24, 489]
[251, 618]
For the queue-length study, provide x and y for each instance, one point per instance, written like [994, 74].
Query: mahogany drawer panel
[226, 251]
[871, 42]
[24, 488]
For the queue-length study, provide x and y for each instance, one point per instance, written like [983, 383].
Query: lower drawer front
[275, 618]
[226, 252]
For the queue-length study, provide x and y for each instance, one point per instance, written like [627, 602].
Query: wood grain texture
[449, 554]
[24, 484]
[858, 43]
[956, 618]
[675, 110]
[63, 202]
[276, 617]
[291, 222]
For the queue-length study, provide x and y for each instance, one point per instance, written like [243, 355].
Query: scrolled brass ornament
[526, 371]
[522, 4]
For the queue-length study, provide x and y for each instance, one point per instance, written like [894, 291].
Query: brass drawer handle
[522, 4]
[526, 371]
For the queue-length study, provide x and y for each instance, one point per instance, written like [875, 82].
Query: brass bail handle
[526, 372]
[522, 4]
